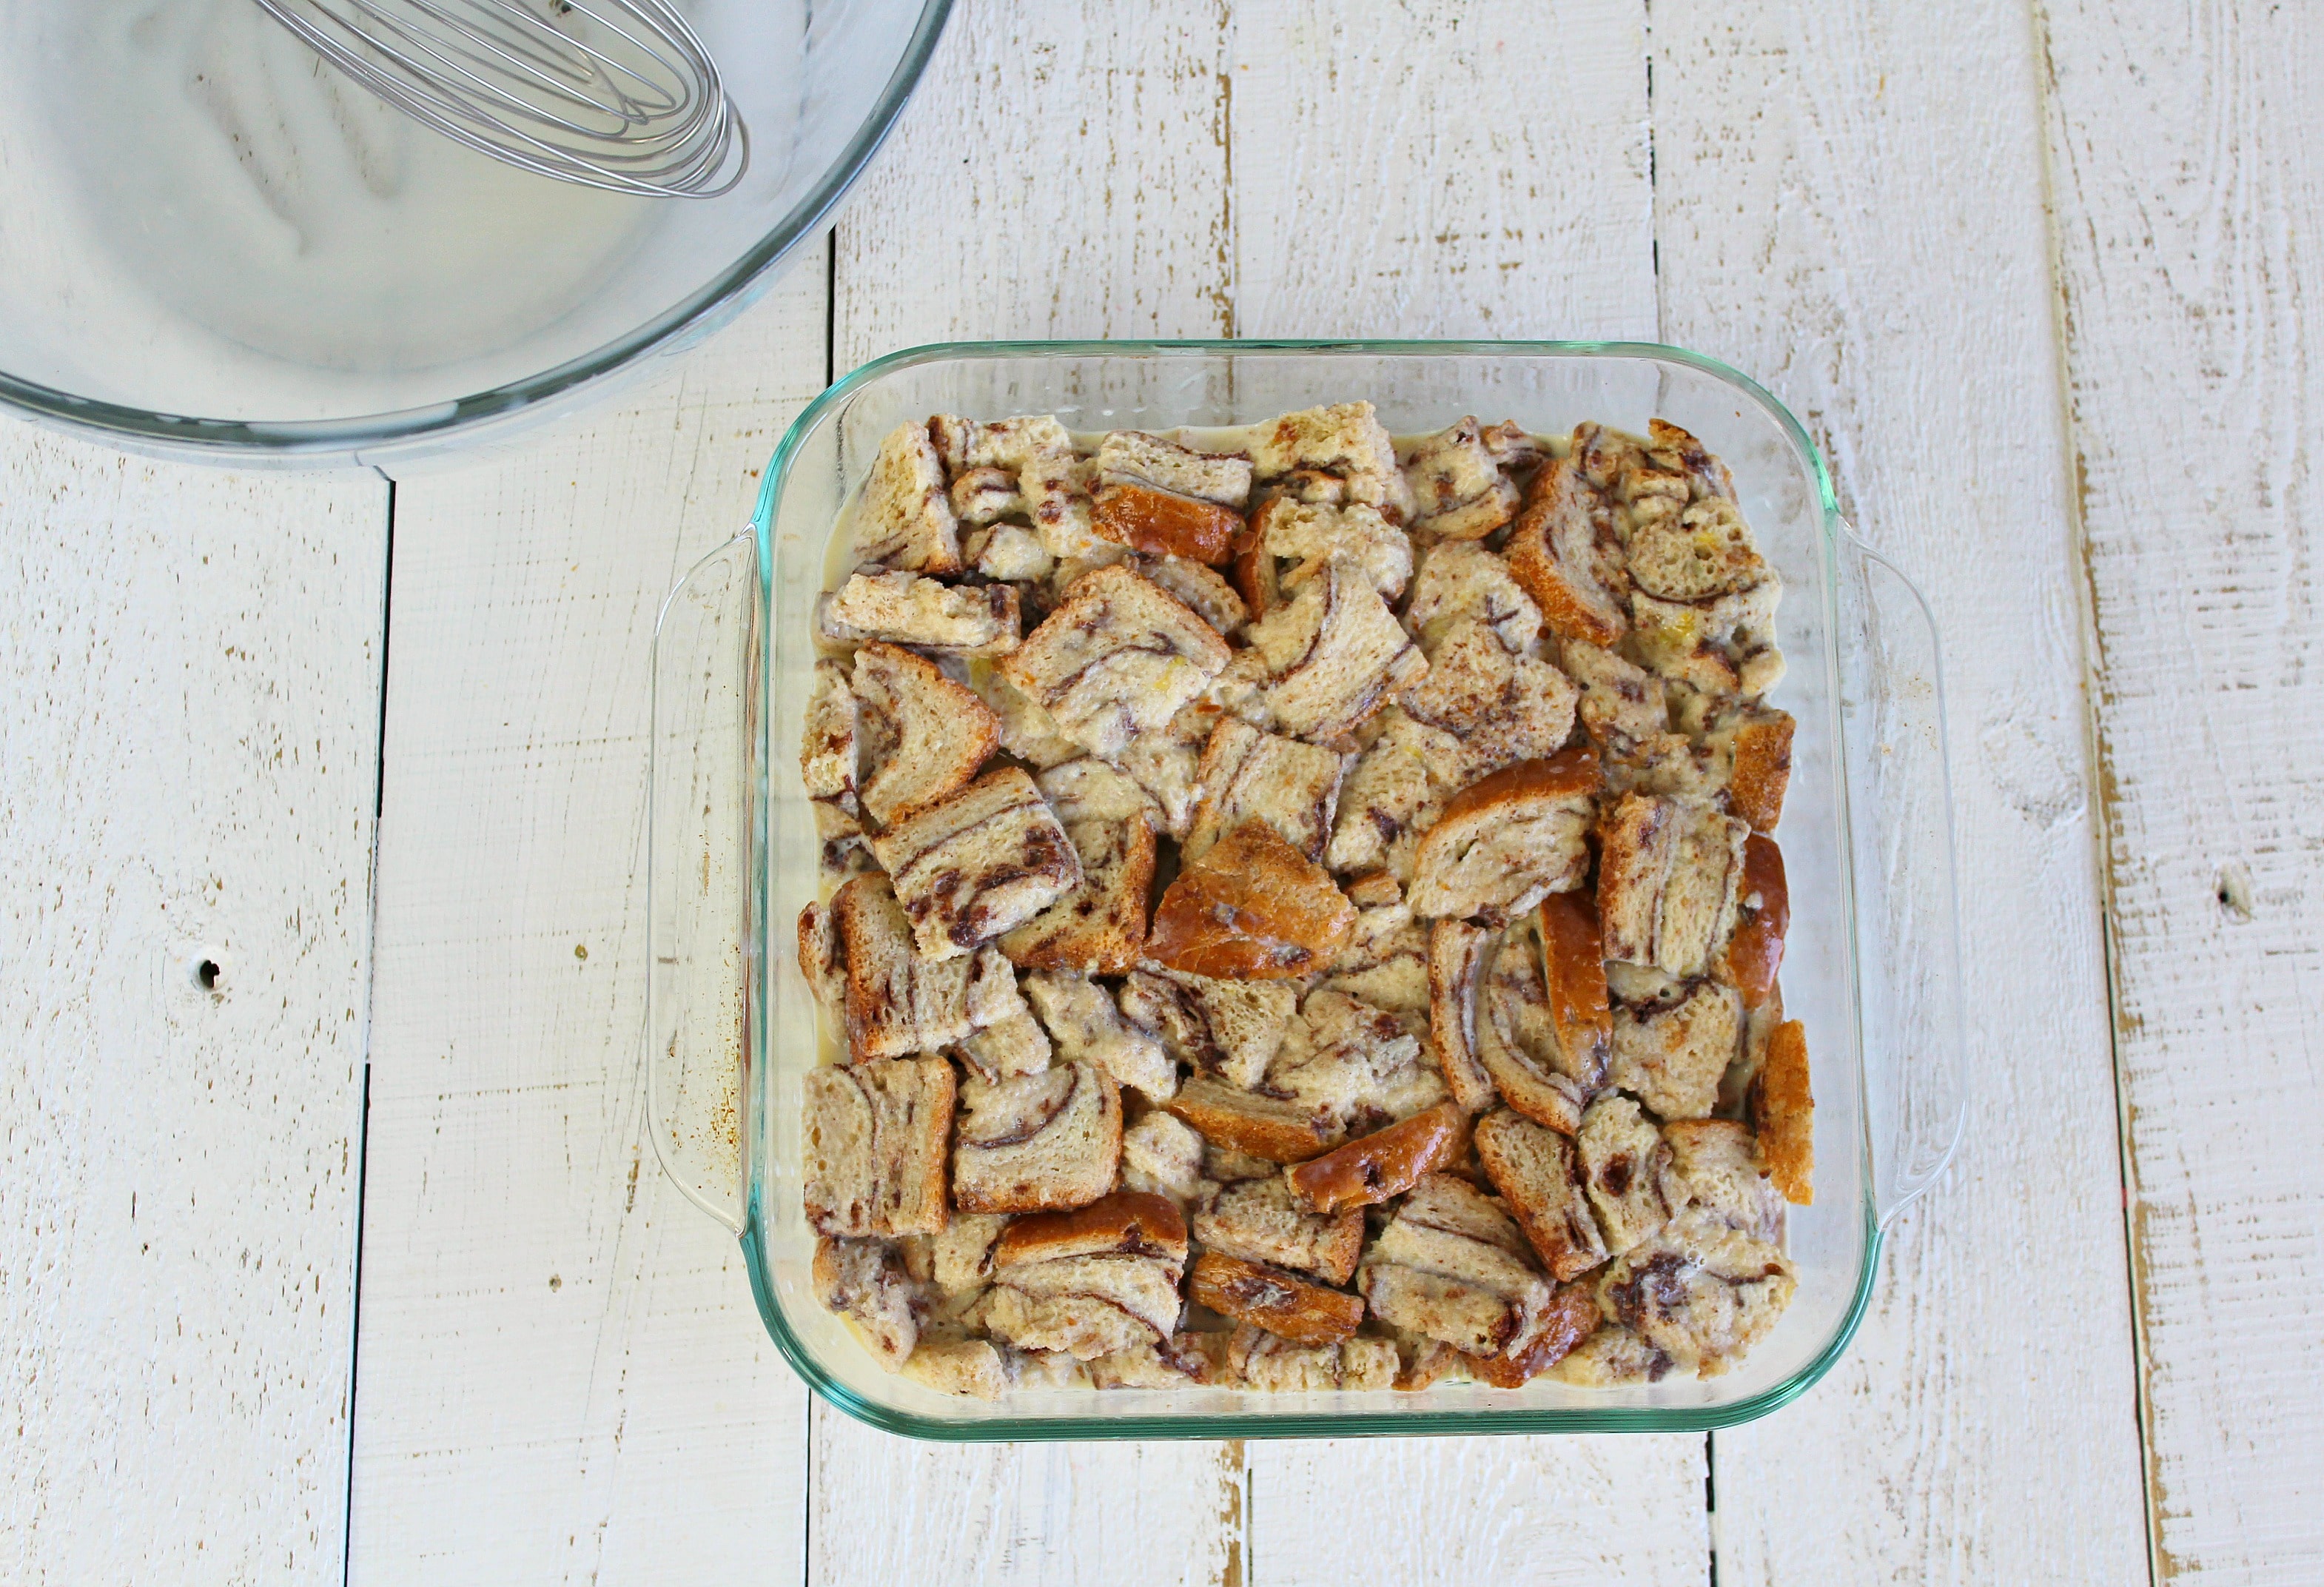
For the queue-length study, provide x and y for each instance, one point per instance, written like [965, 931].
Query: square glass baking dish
[1872, 966]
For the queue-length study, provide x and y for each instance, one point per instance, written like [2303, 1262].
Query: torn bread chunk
[1335, 654]
[1668, 874]
[1117, 658]
[1459, 955]
[1460, 581]
[1452, 1267]
[1180, 1361]
[1539, 1174]
[1469, 673]
[1336, 455]
[1573, 1315]
[1386, 961]
[1699, 1291]
[974, 864]
[1026, 731]
[1626, 711]
[1124, 1223]
[1308, 537]
[1753, 745]
[1516, 1038]
[1024, 466]
[1612, 1358]
[906, 520]
[972, 1368]
[1531, 720]
[1099, 927]
[895, 1002]
[1672, 1057]
[1091, 1282]
[1270, 1298]
[1008, 1040]
[1783, 1109]
[827, 752]
[1161, 498]
[1268, 1363]
[1382, 1165]
[1258, 1221]
[906, 609]
[1724, 646]
[1036, 1142]
[1704, 551]
[1717, 1167]
[923, 735]
[1086, 1026]
[1573, 965]
[873, 1143]
[960, 1254]
[1460, 486]
[863, 1281]
[1008, 553]
[1393, 794]
[1508, 840]
[1265, 1128]
[1566, 551]
[1360, 1066]
[1626, 1166]
[1201, 590]
[1162, 1155]
[1251, 906]
[1231, 1029]
[843, 849]
[1246, 774]
[822, 961]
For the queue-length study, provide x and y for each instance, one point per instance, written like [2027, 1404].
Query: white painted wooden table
[321, 898]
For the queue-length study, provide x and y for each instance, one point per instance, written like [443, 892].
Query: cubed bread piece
[1566, 551]
[1036, 1142]
[1762, 916]
[1532, 720]
[827, 755]
[1716, 1164]
[1360, 1066]
[1258, 1221]
[1506, 842]
[1459, 489]
[971, 1368]
[1335, 653]
[1706, 550]
[1086, 1026]
[1459, 955]
[1014, 1046]
[1163, 762]
[1757, 745]
[1248, 775]
[1723, 646]
[960, 1254]
[1270, 1298]
[1469, 673]
[1623, 709]
[1161, 1156]
[1701, 1292]
[1202, 590]
[1573, 962]
[863, 1281]
[1158, 497]
[843, 848]
[1573, 1315]
[1784, 1108]
[1426, 1362]
[1127, 1223]
[1672, 449]
[971, 866]
[1268, 1127]
[1386, 961]
[1251, 906]
[1627, 1168]
[923, 735]
[1084, 1306]
[1338, 454]
[1672, 1057]
[1024, 465]
[1231, 1029]
[872, 1147]
[1460, 581]
[1008, 553]
[1539, 1174]
[1394, 793]
[1373, 890]
[1180, 1361]
[908, 609]
[1270, 1363]
[1517, 1040]
[1099, 927]
[1668, 874]
[1227, 1165]
[1382, 1165]
[907, 520]
[1117, 658]
[896, 1001]
[1308, 537]
[1612, 1358]
[1026, 731]
[1449, 1265]
[822, 961]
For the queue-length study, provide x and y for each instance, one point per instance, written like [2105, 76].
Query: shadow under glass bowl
[211, 247]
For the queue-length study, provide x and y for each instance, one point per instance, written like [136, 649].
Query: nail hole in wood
[207, 974]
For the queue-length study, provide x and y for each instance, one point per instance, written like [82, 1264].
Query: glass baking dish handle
[697, 926]
[1901, 832]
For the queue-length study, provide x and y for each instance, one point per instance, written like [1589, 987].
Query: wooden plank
[562, 1375]
[1887, 281]
[1062, 173]
[190, 671]
[2187, 183]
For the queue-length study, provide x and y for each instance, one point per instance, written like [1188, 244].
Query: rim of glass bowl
[325, 441]
[1114, 1425]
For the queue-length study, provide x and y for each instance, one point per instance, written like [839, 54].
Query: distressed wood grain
[190, 671]
[2189, 188]
[562, 1375]
[1889, 284]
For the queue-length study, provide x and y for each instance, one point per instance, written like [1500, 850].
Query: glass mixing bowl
[212, 245]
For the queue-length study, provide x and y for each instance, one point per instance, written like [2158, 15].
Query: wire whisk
[620, 94]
